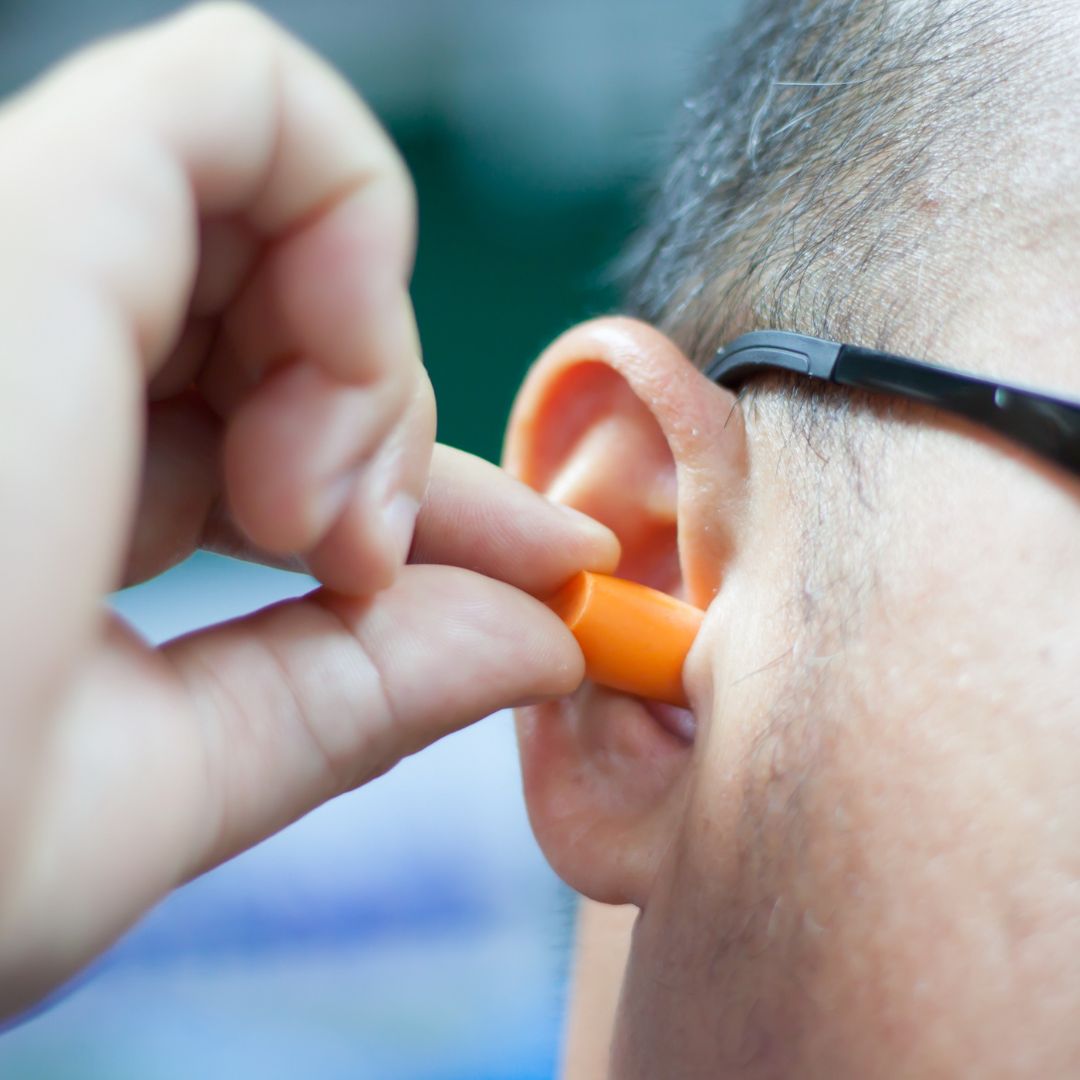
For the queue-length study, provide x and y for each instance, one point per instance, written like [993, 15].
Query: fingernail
[399, 521]
[595, 531]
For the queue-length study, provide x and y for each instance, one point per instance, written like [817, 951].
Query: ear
[615, 421]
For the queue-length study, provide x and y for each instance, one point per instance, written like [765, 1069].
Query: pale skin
[207, 340]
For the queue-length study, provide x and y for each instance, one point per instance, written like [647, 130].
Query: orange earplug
[634, 638]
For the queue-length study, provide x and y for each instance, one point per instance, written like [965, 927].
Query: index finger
[106, 167]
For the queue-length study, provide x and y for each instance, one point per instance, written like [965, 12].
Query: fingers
[477, 516]
[330, 292]
[214, 742]
[473, 515]
[108, 170]
[385, 488]
[333, 471]
[316, 696]
[219, 114]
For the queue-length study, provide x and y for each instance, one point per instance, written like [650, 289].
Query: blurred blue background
[411, 929]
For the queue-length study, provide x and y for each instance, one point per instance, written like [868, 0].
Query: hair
[835, 151]
[847, 169]
[851, 169]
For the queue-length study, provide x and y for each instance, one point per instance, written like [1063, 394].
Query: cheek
[713, 976]
[694, 999]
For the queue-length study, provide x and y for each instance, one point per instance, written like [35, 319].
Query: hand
[207, 241]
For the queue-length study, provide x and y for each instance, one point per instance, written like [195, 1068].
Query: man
[862, 862]
[866, 864]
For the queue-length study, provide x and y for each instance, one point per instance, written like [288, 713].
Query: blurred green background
[495, 282]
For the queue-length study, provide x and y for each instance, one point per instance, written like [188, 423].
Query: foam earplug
[634, 638]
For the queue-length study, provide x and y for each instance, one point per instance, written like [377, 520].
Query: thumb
[317, 696]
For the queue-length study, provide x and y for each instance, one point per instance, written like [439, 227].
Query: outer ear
[615, 421]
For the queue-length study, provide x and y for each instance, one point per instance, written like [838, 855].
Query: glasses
[1046, 423]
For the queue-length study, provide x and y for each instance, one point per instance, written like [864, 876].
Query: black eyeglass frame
[1047, 423]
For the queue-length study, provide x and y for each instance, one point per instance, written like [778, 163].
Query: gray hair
[845, 169]
[834, 147]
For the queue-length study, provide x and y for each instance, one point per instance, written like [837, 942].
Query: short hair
[833, 149]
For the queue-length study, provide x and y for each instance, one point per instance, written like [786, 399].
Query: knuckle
[227, 17]
[173, 49]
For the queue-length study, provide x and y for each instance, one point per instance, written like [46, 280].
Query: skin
[207, 340]
[603, 943]
[864, 864]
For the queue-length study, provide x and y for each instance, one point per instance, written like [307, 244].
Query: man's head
[866, 861]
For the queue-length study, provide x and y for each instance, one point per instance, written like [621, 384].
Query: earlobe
[615, 421]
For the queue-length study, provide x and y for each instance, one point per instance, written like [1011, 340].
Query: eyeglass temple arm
[772, 350]
[1048, 425]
